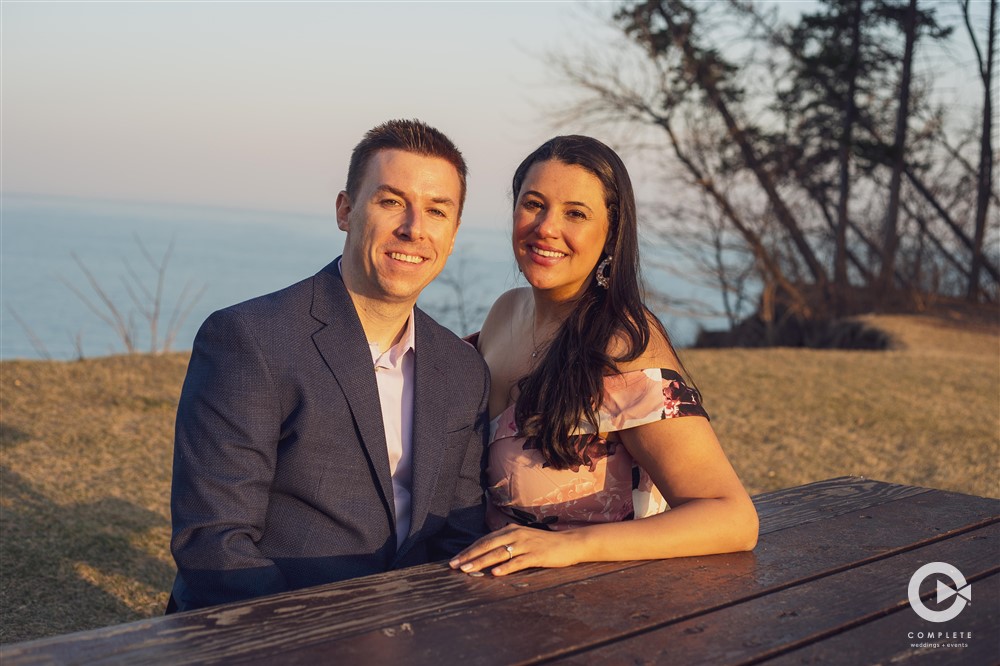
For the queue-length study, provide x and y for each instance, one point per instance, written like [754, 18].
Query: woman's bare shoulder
[502, 312]
[657, 354]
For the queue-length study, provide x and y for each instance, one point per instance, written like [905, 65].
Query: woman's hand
[514, 548]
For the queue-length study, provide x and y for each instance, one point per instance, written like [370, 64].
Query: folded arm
[225, 449]
[710, 511]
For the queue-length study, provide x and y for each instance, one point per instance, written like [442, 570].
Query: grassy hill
[85, 452]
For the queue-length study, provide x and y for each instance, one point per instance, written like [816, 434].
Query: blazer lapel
[430, 409]
[342, 345]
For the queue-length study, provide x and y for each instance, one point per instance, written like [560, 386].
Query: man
[332, 429]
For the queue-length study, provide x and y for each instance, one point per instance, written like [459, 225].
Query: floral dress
[610, 486]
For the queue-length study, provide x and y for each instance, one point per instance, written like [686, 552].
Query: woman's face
[560, 228]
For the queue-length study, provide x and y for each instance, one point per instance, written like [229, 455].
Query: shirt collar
[392, 356]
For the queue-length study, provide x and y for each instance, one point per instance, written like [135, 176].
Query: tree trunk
[818, 197]
[890, 231]
[850, 115]
[985, 149]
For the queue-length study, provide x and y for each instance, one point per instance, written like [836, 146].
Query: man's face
[400, 227]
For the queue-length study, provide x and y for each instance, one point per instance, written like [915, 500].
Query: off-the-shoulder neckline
[622, 374]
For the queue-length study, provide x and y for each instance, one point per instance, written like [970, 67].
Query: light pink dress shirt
[394, 376]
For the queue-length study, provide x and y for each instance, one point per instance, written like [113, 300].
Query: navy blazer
[281, 472]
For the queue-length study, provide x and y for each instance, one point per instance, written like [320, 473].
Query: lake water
[233, 254]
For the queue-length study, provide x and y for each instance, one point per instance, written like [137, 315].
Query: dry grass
[84, 501]
[86, 453]
[924, 413]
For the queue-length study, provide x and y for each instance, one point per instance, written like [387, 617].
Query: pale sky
[257, 104]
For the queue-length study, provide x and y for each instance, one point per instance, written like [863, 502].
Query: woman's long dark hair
[566, 387]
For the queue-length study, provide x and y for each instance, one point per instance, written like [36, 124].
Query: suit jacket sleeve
[225, 449]
[467, 519]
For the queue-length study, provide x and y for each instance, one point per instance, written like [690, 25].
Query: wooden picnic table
[827, 584]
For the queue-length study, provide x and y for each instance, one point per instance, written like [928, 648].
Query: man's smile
[408, 258]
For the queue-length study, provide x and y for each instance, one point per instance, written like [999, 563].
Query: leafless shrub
[147, 300]
[458, 282]
[36, 342]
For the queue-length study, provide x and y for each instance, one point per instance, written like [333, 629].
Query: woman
[593, 426]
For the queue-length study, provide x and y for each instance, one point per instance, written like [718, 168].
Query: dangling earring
[603, 274]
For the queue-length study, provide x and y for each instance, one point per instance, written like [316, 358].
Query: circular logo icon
[962, 592]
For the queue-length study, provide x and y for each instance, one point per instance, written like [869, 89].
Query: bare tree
[913, 167]
[36, 342]
[830, 125]
[108, 311]
[456, 279]
[147, 300]
[671, 24]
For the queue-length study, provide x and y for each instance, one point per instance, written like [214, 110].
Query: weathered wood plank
[389, 603]
[888, 641]
[321, 613]
[751, 632]
[823, 499]
[547, 623]
[553, 622]
[371, 602]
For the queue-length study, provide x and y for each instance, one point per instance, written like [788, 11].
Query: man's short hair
[413, 136]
